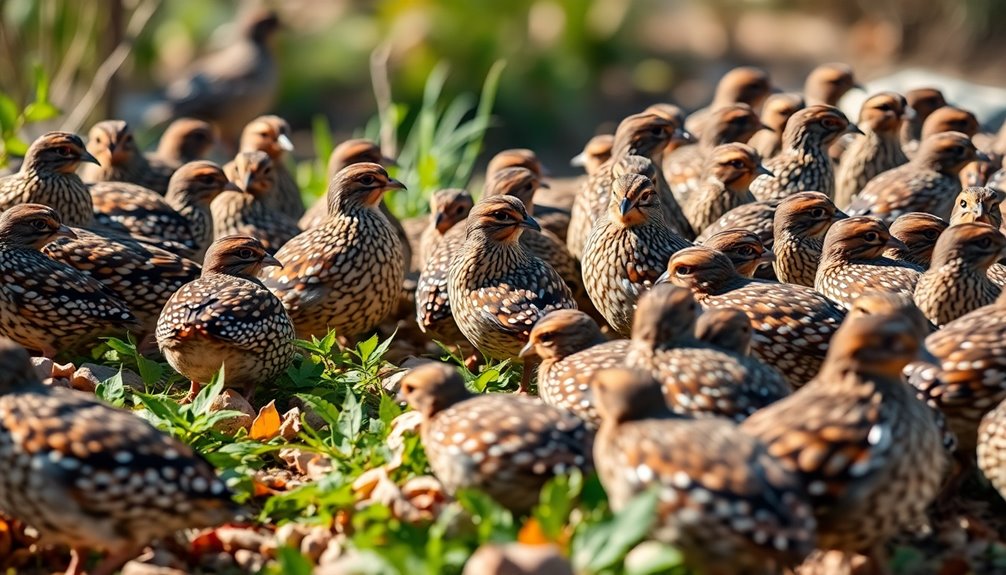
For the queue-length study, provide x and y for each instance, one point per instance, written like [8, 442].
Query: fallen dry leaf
[266, 424]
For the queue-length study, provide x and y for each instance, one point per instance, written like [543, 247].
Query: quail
[227, 318]
[595, 152]
[917, 233]
[792, 323]
[684, 168]
[345, 275]
[141, 275]
[181, 217]
[745, 250]
[741, 85]
[271, 134]
[47, 306]
[877, 151]
[248, 211]
[923, 101]
[231, 86]
[728, 171]
[448, 207]
[551, 219]
[755, 217]
[676, 115]
[48, 177]
[112, 143]
[957, 281]
[777, 111]
[992, 447]
[950, 119]
[723, 500]
[804, 164]
[96, 478]
[515, 158]
[868, 451]
[507, 446]
[800, 224]
[640, 134]
[664, 345]
[627, 250]
[827, 83]
[853, 262]
[184, 140]
[726, 329]
[927, 183]
[979, 205]
[572, 348]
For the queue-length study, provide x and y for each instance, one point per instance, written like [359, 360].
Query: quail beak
[626, 206]
[579, 160]
[853, 129]
[766, 258]
[683, 135]
[394, 184]
[530, 223]
[544, 184]
[895, 244]
[763, 171]
[246, 182]
[284, 142]
[839, 215]
[909, 113]
[439, 219]
[527, 350]
[981, 156]
[231, 187]
[64, 231]
[271, 262]
[86, 156]
[980, 212]
[664, 277]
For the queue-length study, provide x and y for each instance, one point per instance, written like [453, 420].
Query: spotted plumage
[347, 153]
[776, 112]
[878, 150]
[505, 445]
[48, 177]
[45, 305]
[627, 250]
[804, 164]
[800, 223]
[792, 324]
[250, 210]
[869, 453]
[982, 205]
[347, 274]
[992, 447]
[755, 217]
[112, 143]
[227, 318]
[729, 170]
[852, 263]
[916, 233]
[723, 500]
[93, 477]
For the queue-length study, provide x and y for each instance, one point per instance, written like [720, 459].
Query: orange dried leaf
[266, 424]
[531, 534]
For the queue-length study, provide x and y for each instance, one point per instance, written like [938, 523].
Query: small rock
[291, 534]
[130, 378]
[333, 551]
[231, 400]
[42, 367]
[517, 559]
[315, 543]
[248, 560]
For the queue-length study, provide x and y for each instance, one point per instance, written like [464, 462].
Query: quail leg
[77, 560]
[194, 387]
[525, 377]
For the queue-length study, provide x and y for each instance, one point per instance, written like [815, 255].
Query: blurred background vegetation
[572, 66]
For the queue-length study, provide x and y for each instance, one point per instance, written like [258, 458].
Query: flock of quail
[790, 325]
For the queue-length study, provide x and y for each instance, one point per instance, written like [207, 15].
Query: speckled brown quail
[923, 101]
[551, 219]
[248, 211]
[184, 140]
[957, 280]
[271, 134]
[347, 274]
[698, 379]
[507, 446]
[227, 318]
[745, 249]
[112, 143]
[675, 114]
[827, 83]
[979, 205]
[595, 152]
[640, 134]
[927, 183]
[804, 164]
[778, 108]
[572, 348]
[869, 453]
[800, 223]
[726, 329]
[141, 275]
[448, 207]
[853, 262]
[685, 167]
[744, 85]
[45, 305]
[497, 288]
[48, 177]
[627, 250]
[992, 447]
[181, 217]
[878, 150]
[728, 171]
[917, 233]
[723, 500]
[792, 323]
[755, 217]
[95, 478]
[950, 119]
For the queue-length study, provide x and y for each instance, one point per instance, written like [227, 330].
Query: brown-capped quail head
[728, 171]
[48, 177]
[112, 143]
[774, 115]
[827, 83]
[800, 223]
[184, 140]
[745, 250]
[917, 233]
[878, 150]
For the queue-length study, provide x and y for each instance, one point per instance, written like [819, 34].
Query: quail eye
[683, 270]
[546, 337]
[985, 242]
[246, 254]
[736, 164]
[367, 180]
[63, 150]
[964, 203]
[40, 225]
[870, 236]
[657, 130]
[746, 250]
[817, 212]
[929, 234]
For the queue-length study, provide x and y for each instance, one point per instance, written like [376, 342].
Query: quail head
[271, 134]
[48, 177]
[979, 205]
[917, 233]
[249, 210]
[346, 274]
[741, 85]
[448, 207]
[800, 223]
[226, 318]
[596, 152]
[112, 143]
[745, 250]
[507, 446]
[726, 329]
[923, 101]
[96, 478]
[191, 191]
[868, 451]
[45, 305]
[950, 119]
[778, 108]
[728, 171]
[723, 500]
[878, 150]
[827, 83]
[184, 140]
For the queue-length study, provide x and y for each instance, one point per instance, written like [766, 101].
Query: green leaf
[292, 562]
[8, 116]
[41, 85]
[364, 349]
[558, 497]
[40, 112]
[112, 390]
[150, 371]
[204, 399]
[324, 409]
[653, 558]
[629, 527]
[15, 146]
[388, 410]
[351, 417]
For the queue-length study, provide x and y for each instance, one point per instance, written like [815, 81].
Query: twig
[75, 53]
[382, 94]
[110, 66]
